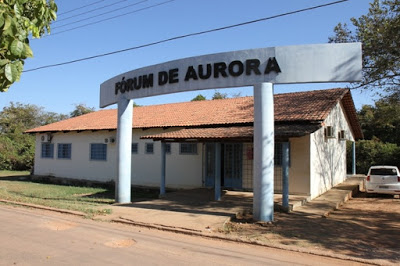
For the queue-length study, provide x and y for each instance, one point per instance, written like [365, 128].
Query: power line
[89, 11]
[186, 36]
[118, 16]
[98, 15]
[72, 10]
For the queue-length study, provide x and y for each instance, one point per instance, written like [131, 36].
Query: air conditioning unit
[329, 132]
[342, 135]
[46, 138]
[110, 140]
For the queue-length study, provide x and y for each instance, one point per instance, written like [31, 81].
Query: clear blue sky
[59, 89]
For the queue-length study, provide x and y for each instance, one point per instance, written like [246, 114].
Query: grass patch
[17, 186]
[89, 200]
[84, 199]
[6, 173]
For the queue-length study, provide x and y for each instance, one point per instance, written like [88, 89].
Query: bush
[16, 155]
[373, 152]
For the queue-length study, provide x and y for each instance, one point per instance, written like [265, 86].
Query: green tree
[199, 97]
[373, 152]
[19, 19]
[218, 95]
[18, 149]
[25, 116]
[378, 31]
[81, 109]
[382, 121]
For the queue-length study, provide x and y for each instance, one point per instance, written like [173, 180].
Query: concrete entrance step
[295, 201]
[332, 199]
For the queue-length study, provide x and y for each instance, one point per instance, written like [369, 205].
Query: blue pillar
[263, 179]
[124, 156]
[163, 168]
[217, 183]
[354, 157]
[285, 175]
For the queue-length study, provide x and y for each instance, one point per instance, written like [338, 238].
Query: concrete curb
[76, 213]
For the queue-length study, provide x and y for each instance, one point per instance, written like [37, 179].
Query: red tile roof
[242, 133]
[310, 106]
[237, 133]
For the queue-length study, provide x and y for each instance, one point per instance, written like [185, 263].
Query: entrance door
[232, 165]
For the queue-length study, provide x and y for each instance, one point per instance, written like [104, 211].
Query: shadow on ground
[367, 228]
[197, 201]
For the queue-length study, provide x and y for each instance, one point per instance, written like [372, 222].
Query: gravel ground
[364, 227]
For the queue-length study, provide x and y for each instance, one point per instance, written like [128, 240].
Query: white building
[315, 123]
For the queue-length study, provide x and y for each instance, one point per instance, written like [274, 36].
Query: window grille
[149, 148]
[135, 148]
[64, 151]
[168, 148]
[188, 148]
[47, 150]
[98, 151]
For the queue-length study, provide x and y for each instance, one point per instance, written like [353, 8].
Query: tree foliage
[378, 31]
[199, 97]
[381, 127]
[19, 19]
[382, 121]
[81, 109]
[219, 95]
[18, 149]
[373, 152]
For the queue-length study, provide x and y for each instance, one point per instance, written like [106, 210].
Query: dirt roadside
[366, 228]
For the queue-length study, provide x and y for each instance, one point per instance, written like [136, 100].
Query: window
[47, 150]
[168, 148]
[149, 148]
[383, 171]
[98, 151]
[135, 147]
[64, 151]
[278, 154]
[188, 148]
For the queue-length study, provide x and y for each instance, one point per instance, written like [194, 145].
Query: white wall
[79, 166]
[316, 165]
[299, 170]
[328, 155]
[183, 171]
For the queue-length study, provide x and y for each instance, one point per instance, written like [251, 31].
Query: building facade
[316, 124]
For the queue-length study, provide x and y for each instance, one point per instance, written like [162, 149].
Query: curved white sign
[280, 65]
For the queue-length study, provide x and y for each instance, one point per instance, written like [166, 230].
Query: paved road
[33, 237]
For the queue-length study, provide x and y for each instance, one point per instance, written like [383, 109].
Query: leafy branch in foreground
[19, 19]
[378, 31]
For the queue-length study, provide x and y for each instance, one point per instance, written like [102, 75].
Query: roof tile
[299, 106]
